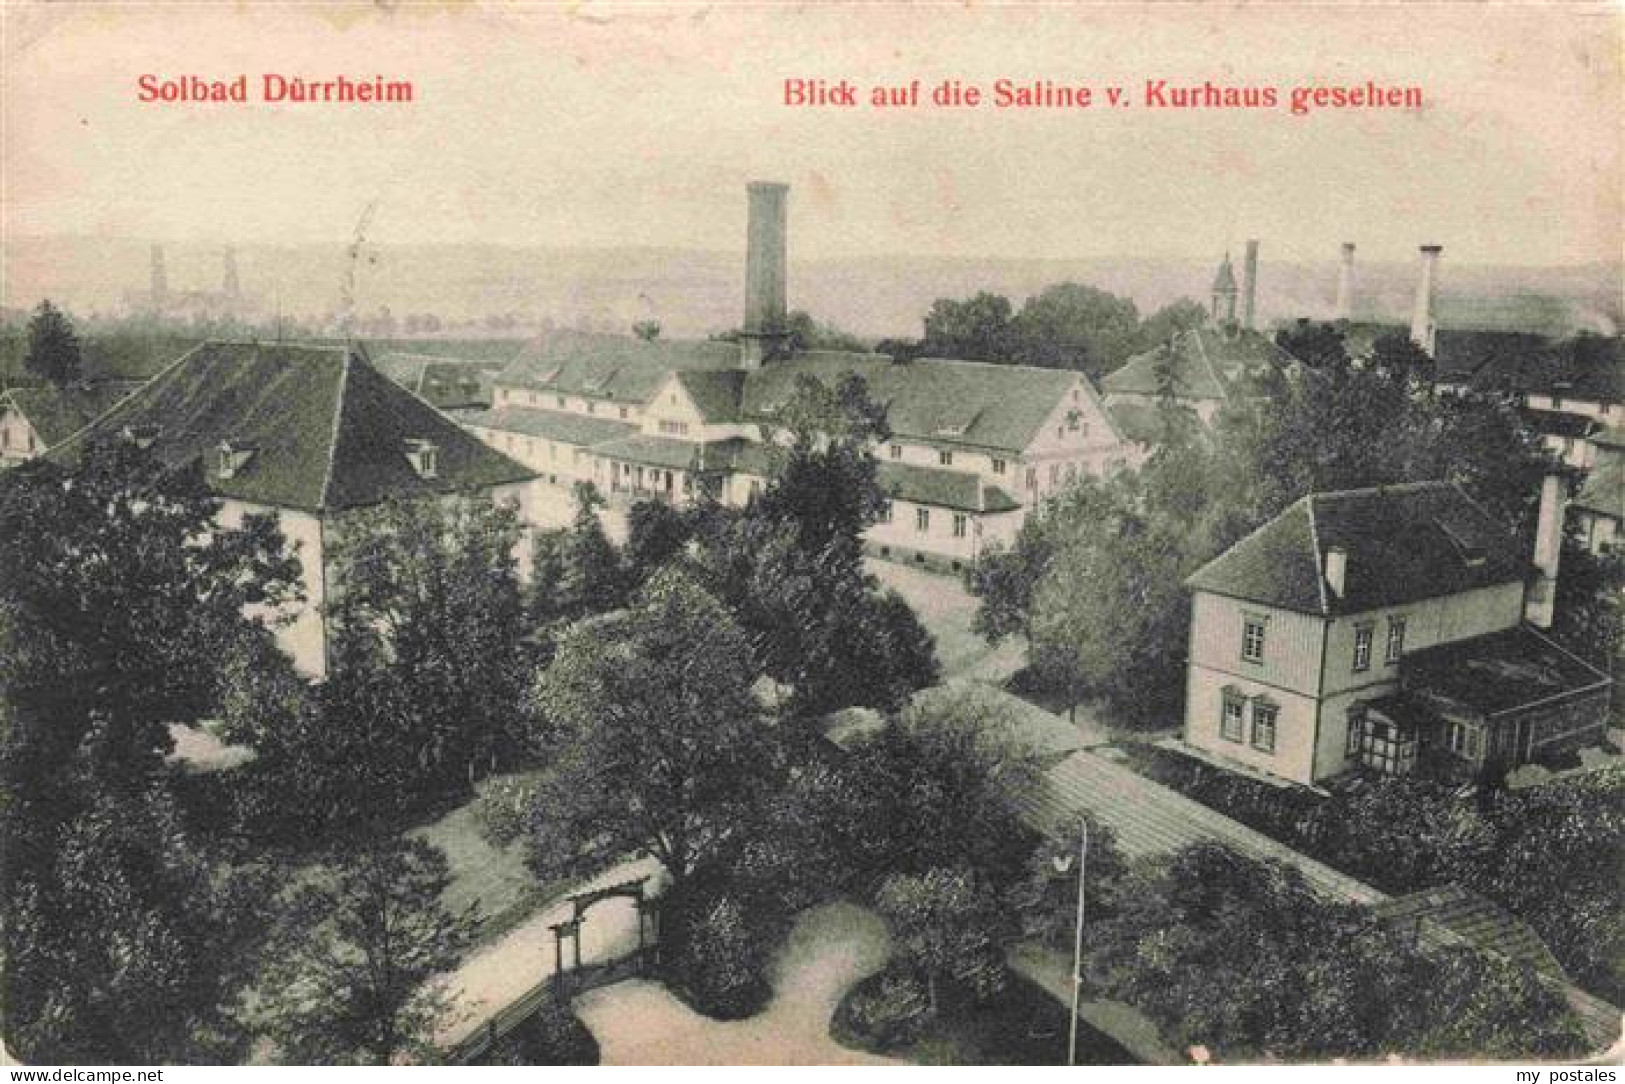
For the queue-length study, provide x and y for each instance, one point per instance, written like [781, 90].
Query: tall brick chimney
[1423, 327]
[1249, 285]
[1539, 600]
[1345, 284]
[766, 330]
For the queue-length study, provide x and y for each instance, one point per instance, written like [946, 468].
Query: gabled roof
[328, 431]
[1208, 364]
[985, 405]
[716, 393]
[57, 412]
[1404, 543]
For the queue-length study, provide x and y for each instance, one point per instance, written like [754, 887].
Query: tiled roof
[447, 383]
[1586, 367]
[1404, 543]
[581, 430]
[716, 393]
[1136, 420]
[1604, 488]
[1208, 364]
[1501, 672]
[56, 413]
[622, 368]
[1558, 423]
[1476, 920]
[959, 490]
[328, 431]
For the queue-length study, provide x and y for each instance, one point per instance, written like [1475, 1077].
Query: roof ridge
[1391, 487]
[1559, 647]
[1320, 559]
[333, 434]
[144, 386]
[1260, 529]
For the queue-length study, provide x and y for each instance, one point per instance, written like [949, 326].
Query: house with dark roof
[1370, 627]
[308, 433]
[1598, 510]
[974, 446]
[36, 419]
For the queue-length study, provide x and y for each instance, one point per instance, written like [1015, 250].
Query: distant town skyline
[611, 128]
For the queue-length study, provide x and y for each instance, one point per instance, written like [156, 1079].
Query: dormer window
[142, 436]
[231, 457]
[424, 456]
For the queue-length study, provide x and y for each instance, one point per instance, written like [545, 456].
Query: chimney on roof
[1345, 284]
[1249, 285]
[1541, 595]
[766, 327]
[1423, 326]
[1337, 570]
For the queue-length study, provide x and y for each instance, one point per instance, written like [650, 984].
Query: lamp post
[1063, 863]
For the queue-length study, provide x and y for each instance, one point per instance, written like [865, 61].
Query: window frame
[1262, 710]
[1250, 622]
[945, 457]
[961, 524]
[922, 521]
[1394, 649]
[1231, 698]
[1365, 635]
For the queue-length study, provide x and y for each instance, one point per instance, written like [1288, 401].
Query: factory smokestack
[766, 329]
[1249, 285]
[1423, 326]
[1541, 595]
[1345, 284]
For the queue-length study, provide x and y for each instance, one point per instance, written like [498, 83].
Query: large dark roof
[1404, 543]
[1585, 367]
[1208, 364]
[1503, 672]
[581, 430]
[326, 429]
[56, 413]
[1001, 407]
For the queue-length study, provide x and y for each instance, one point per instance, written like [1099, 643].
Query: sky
[605, 126]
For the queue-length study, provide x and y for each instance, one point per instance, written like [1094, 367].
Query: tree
[53, 348]
[654, 730]
[351, 981]
[656, 532]
[948, 924]
[427, 602]
[1243, 957]
[1003, 580]
[1071, 326]
[591, 577]
[946, 777]
[1396, 355]
[1170, 320]
[132, 945]
[979, 328]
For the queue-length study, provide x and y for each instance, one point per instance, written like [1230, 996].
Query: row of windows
[532, 399]
[945, 458]
[1253, 632]
[922, 520]
[1233, 719]
[675, 429]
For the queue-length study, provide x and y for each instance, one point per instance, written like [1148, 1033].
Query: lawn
[946, 609]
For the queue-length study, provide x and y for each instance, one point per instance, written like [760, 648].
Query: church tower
[1224, 294]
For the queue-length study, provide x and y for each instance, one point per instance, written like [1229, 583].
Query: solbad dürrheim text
[276, 88]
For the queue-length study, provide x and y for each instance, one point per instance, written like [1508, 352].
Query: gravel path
[829, 950]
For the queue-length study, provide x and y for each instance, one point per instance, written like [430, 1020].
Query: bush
[503, 805]
[714, 958]
[555, 1035]
[884, 1012]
